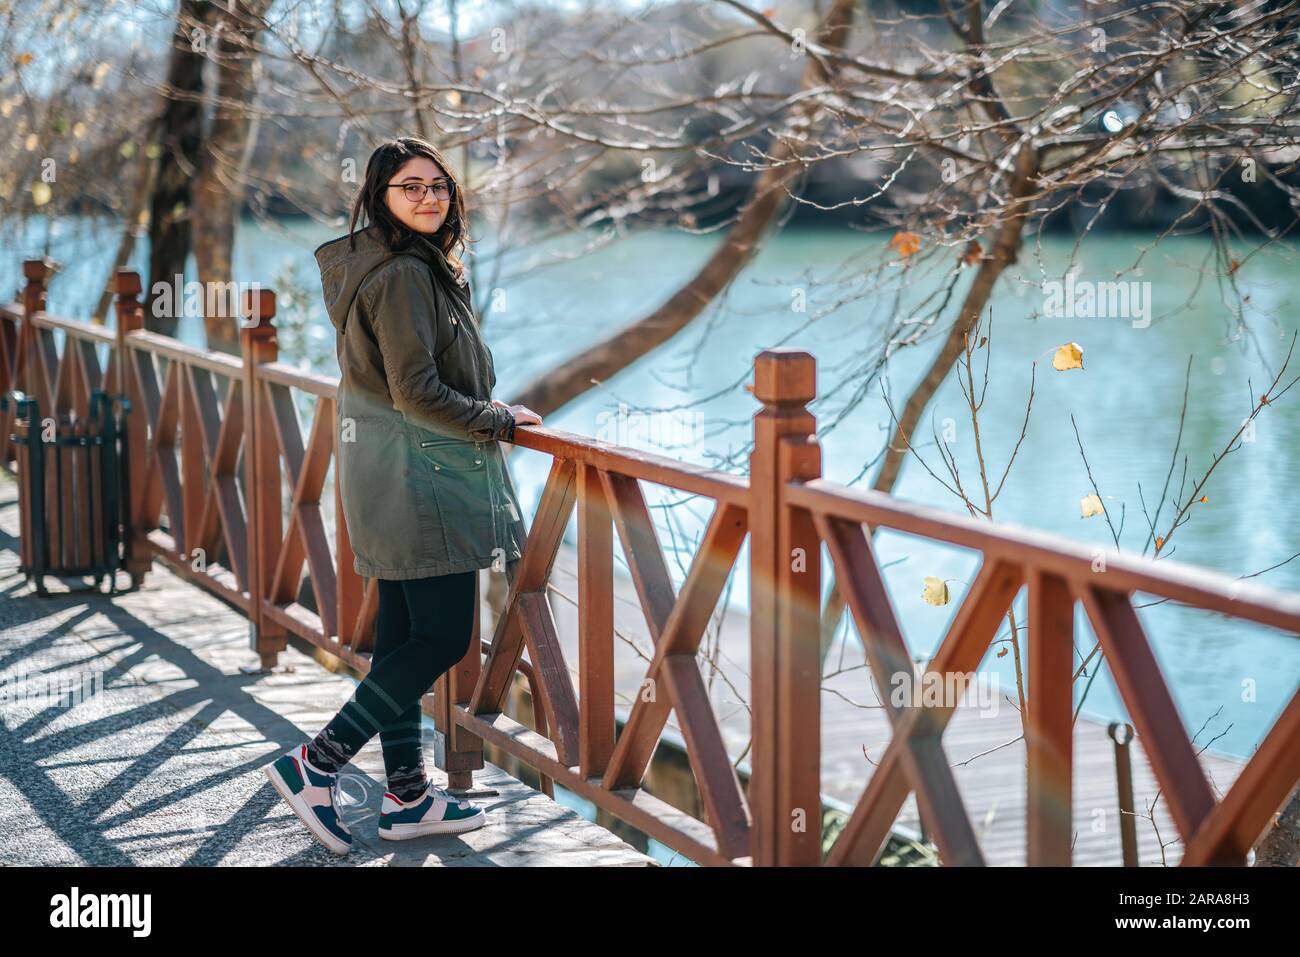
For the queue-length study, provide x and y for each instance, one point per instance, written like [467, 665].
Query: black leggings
[424, 627]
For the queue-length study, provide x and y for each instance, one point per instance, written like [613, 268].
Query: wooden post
[350, 588]
[262, 481]
[785, 609]
[123, 381]
[29, 374]
[461, 751]
[1049, 723]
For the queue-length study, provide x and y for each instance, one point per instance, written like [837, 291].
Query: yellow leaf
[1069, 356]
[1089, 506]
[1205, 498]
[23, 59]
[936, 591]
[906, 243]
[41, 193]
[78, 129]
[1159, 541]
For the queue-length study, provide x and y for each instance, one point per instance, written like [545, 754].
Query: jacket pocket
[453, 455]
[462, 496]
[390, 513]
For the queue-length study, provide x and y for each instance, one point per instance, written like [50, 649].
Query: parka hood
[343, 268]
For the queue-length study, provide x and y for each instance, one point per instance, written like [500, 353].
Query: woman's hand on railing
[523, 415]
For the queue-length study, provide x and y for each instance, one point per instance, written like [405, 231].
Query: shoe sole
[402, 832]
[303, 812]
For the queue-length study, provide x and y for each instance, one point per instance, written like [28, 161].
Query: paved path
[152, 754]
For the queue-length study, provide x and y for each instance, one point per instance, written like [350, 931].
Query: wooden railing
[187, 440]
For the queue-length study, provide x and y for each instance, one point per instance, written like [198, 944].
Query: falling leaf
[1159, 542]
[906, 243]
[974, 252]
[78, 129]
[936, 591]
[23, 59]
[41, 193]
[1069, 356]
[1089, 506]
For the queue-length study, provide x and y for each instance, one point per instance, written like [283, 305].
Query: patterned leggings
[424, 626]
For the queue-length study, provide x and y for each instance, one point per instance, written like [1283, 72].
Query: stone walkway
[149, 746]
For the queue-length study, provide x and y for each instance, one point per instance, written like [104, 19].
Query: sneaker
[310, 793]
[433, 812]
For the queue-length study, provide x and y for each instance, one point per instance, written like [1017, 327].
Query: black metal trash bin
[73, 496]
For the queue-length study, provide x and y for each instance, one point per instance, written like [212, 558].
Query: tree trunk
[219, 187]
[557, 387]
[181, 139]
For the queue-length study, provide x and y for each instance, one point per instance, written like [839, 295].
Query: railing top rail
[1178, 581]
[12, 310]
[650, 466]
[284, 374]
[218, 362]
[73, 327]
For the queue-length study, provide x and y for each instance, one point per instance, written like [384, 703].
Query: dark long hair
[371, 201]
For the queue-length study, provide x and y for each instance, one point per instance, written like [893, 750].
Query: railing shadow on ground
[29, 749]
[219, 438]
[95, 811]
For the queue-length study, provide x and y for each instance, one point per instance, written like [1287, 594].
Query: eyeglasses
[442, 189]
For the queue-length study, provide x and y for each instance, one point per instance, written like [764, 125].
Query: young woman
[427, 498]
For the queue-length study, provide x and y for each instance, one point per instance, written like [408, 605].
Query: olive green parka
[422, 477]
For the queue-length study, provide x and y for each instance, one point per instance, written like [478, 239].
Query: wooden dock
[173, 743]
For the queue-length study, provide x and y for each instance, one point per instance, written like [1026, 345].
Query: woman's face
[429, 213]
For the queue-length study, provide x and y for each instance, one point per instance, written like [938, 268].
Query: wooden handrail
[1166, 578]
[208, 412]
